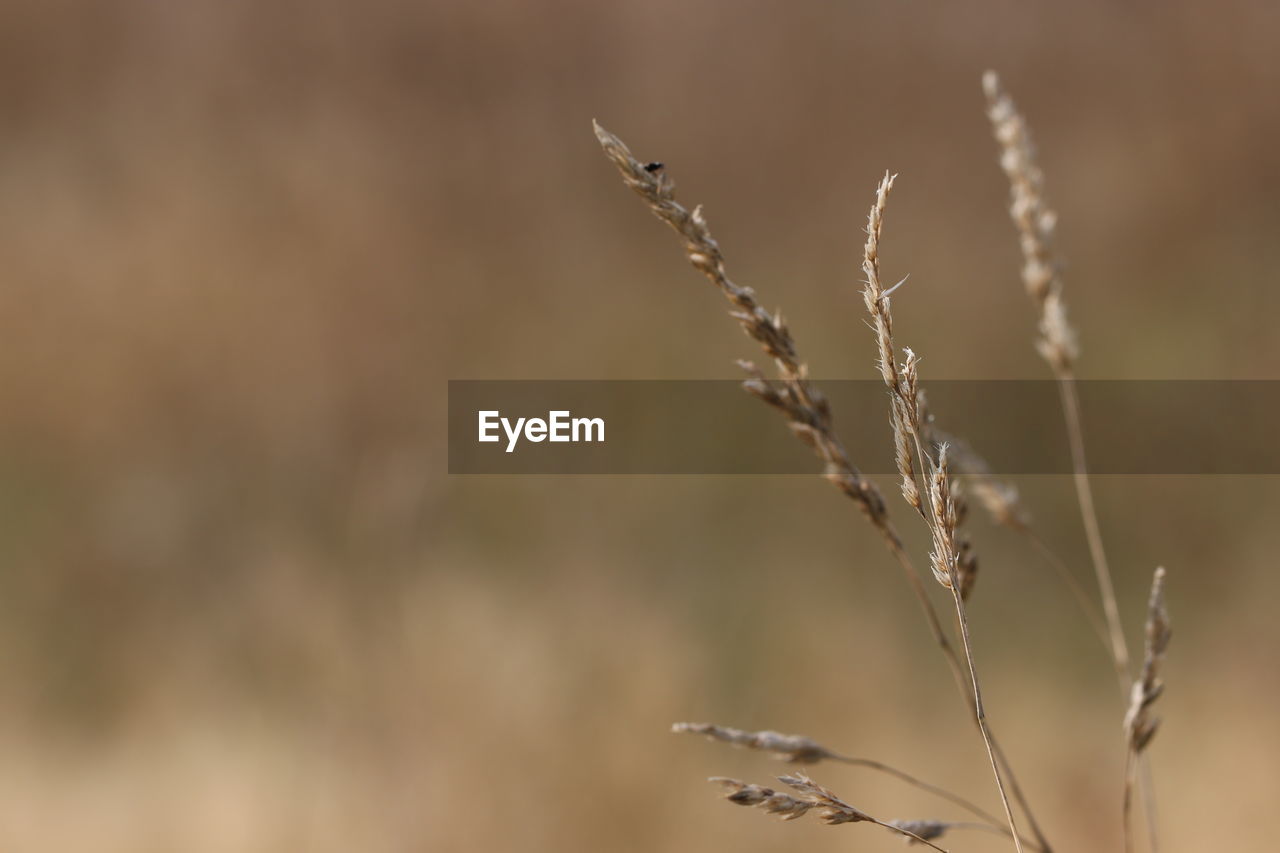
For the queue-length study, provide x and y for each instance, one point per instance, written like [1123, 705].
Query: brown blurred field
[244, 608]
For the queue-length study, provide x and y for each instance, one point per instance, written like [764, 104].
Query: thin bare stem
[989, 819]
[1087, 605]
[1147, 786]
[958, 674]
[1042, 843]
[1093, 531]
[894, 543]
[981, 713]
[1130, 763]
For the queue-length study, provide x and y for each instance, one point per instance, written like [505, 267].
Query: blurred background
[243, 607]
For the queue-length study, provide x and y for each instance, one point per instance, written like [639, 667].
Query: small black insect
[653, 167]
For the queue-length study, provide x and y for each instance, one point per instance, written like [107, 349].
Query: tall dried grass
[923, 455]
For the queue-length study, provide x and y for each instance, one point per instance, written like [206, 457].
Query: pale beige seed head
[797, 749]
[944, 557]
[1035, 223]
[1139, 725]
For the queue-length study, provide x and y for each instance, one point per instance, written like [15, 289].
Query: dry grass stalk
[828, 807]
[952, 560]
[1140, 727]
[798, 749]
[900, 381]
[877, 301]
[794, 395]
[1035, 222]
[945, 561]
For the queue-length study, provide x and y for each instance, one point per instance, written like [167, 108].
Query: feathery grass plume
[908, 412]
[1140, 727]
[966, 554]
[798, 749]
[877, 302]
[944, 518]
[827, 807]
[794, 395]
[941, 514]
[874, 292]
[1035, 221]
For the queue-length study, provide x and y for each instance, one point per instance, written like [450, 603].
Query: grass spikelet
[1140, 727]
[796, 749]
[911, 421]
[812, 797]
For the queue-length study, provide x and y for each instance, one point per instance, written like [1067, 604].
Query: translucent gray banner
[714, 427]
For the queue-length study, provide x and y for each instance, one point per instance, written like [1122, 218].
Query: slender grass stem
[981, 715]
[1092, 529]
